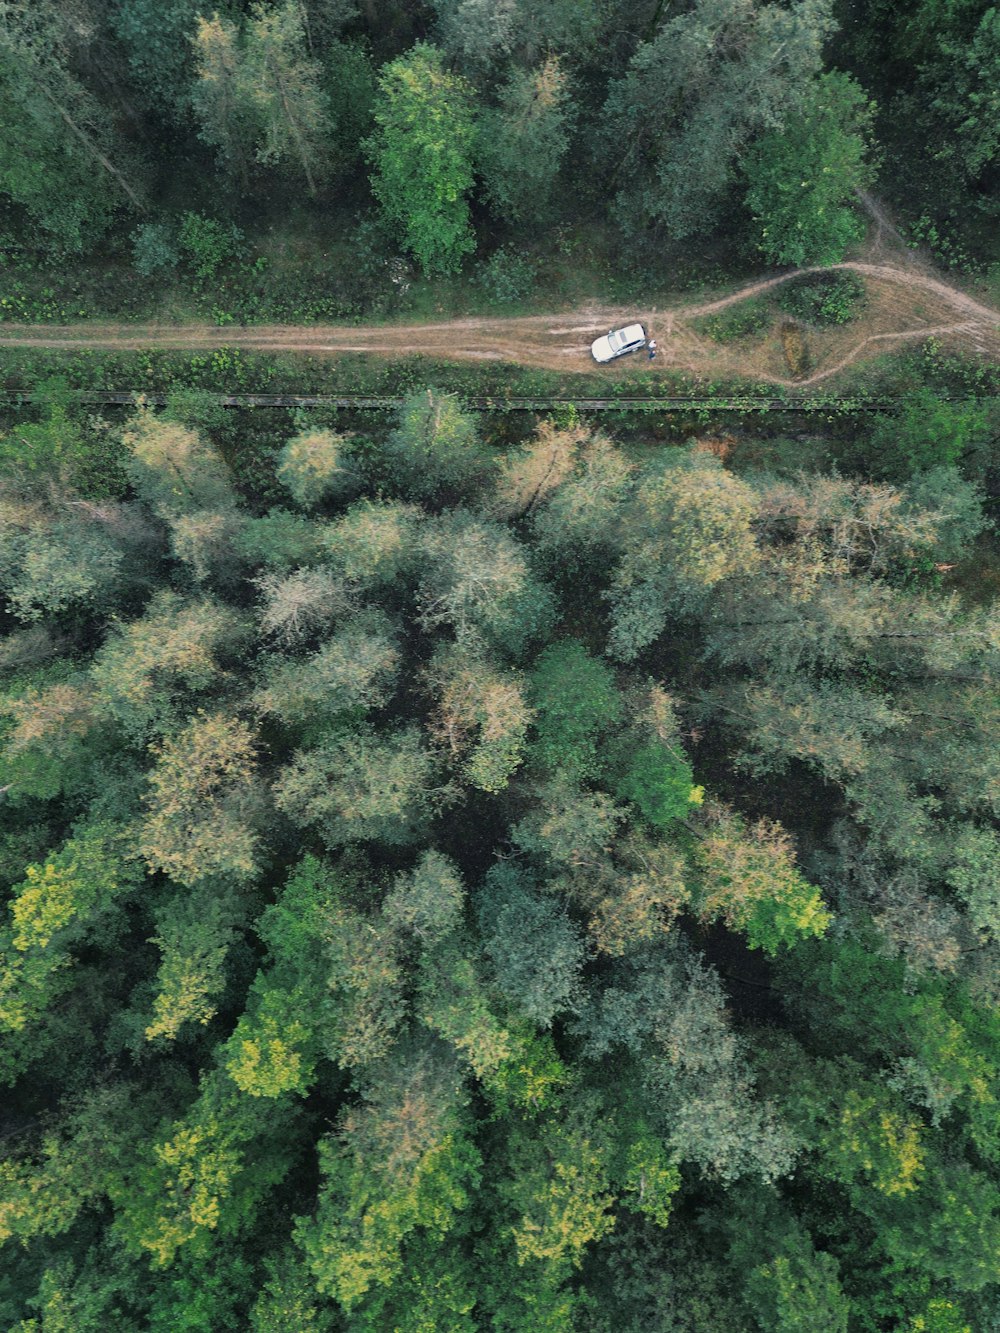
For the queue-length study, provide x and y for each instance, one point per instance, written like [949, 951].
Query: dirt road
[905, 301]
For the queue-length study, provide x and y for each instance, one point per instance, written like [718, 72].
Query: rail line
[496, 402]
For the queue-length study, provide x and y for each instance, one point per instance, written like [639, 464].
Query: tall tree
[710, 80]
[422, 155]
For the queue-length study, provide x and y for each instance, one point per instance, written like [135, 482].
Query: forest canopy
[433, 132]
[539, 888]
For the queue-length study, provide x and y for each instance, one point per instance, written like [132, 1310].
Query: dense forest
[495, 871]
[159, 142]
[457, 887]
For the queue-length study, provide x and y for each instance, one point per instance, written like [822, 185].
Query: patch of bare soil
[906, 301]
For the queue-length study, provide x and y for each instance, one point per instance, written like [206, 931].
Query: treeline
[442, 120]
[540, 890]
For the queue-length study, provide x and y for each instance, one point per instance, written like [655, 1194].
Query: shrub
[829, 298]
[507, 276]
[153, 248]
[739, 321]
[208, 243]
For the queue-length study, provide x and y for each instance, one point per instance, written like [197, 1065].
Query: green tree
[401, 1162]
[287, 91]
[422, 155]
[436, 451]
[204, 802]
[576, 700]
[802, 177]
[750, 879]
[361, 785]
[523, 142]
[61, 159]
[711, 79]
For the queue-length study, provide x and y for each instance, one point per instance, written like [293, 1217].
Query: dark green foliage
[154, 247]
[207, 243]
[832, 298]
[508, 276]
[576, 700]
[659, 782]
[926, 433]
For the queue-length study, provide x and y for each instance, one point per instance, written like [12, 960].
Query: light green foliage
[354, 669]
[72, 1165]
[401, 1162]
[288, 1302]
[422, 154]
[482, 714]
[274, 1047]
[581, 519]
[360, 785]
[575, 700]
[974, 874]
[436, 451]
[427, 900]
[152, 669]
[48, 745]
[375, 544]
[269, 1051]
[74, 886]
[434, 1294]
[689, 529]
[798, 1290]
[221, 98]
[651, 1178]
[55, 908]
[802, 177]
[316, 465]
[285, 86]
[454, 1002]
[477, 582]
[750, 879]
[193, 935]
[259, 95]
[203, 802]
[535, 951]
[174, 470]
[557, 1193]
[207, 1172]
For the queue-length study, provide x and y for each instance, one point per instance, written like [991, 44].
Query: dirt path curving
[906, 301]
